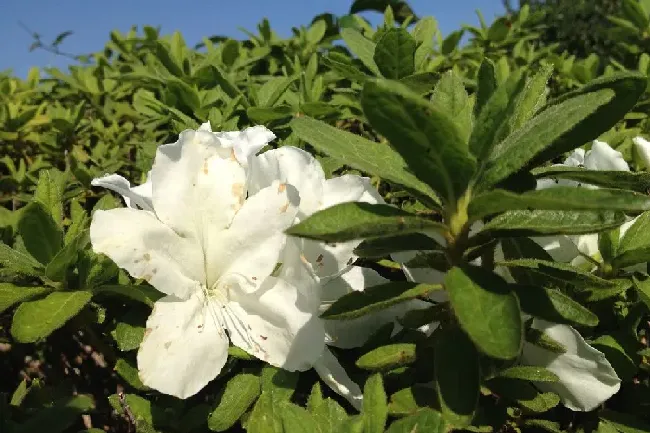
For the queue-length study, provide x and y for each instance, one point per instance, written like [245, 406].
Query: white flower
[642, 147]
[332, 264]
[217, 251]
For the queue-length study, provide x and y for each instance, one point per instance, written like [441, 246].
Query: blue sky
[92, 20]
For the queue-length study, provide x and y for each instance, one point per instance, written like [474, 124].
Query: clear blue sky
[92, 20]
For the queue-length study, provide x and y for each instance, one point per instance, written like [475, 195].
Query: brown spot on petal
[146, 256]
[232, 154]
[304, 259]
[147, 331]
[282, 187]
[319, 258]
[254, 278]
[263, 337]
[205, 166]
[284, 208]
[154, 271]
[238, 189]
[169, 343]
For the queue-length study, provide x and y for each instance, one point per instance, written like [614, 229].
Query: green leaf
[19, 394]
[142, 409]
[129, 373]
[551, 126]
[395, 54]
[362, 47]
[356, 220]
[127, 336]
[49, 192]
[450, 43]
[625, 89]
[487, 310]
[329, 415]
[551, 222]
[409, 401]
[487, 84]
[361, 154]
[18, 262]
[524, 394]
[34, 320]
[554, 306]
[558, 198]
[428, 140]
[452, 99]
[560, 272]
[240, 393]
[11, 294]
[380, 247]
[494, 114]
[620, 350]
[642, 287]
[625, 423]
[145, 294]
[426, 420]
[375, 406]
[40, 234]
[524, 372]
[388, 357]
[297, 419]
[277, 388]
[457, 375]
[359, 303]
[635, 181]
[58, 417]
[57, 268]
[272, 90]
[634, 246]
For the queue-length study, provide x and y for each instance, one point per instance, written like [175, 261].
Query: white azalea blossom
[219, 253]
[642, 147]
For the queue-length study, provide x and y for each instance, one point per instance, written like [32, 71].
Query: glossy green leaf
[57, 268]
[144, 294]
[524, 394]
[359, 303]
[487, 310]
[34, 320]
[40, 234]
[554, 306]
[426, 420]
[427, 138]
[457, 376]
[380, 247]
[128, 336]
[356, 220]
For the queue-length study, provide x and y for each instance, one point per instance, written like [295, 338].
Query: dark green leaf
[58, 417]
[554, 306]
[524, 372]
[427, 138]
[524, 394]
[458, 376]
[40, 234]
[11, 294]
[57, 268]
[395, 54]
[487, 84]
[356, 220]
[18, 262]
[452, 99]
[487, 310]
[360, 303]
[145, 294]
[380, 247]
[635, 181]
[49, 192]
[625, 423]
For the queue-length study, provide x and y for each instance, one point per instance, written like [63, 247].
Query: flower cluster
[207, 229]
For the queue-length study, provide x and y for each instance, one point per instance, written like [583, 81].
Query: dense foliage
[455, 138]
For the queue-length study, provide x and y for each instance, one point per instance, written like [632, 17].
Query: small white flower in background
[642, 147]
[217, 251]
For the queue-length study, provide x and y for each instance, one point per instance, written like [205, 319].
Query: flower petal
[197, 185]
[136, 241]
[276, 324]
[136, 197]
[251, 246]
[603, 157]
[642, 147]
[586, 377]
[334, 375]
[293, 166]
[576, 159]
[245, 143]
[184, 347]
